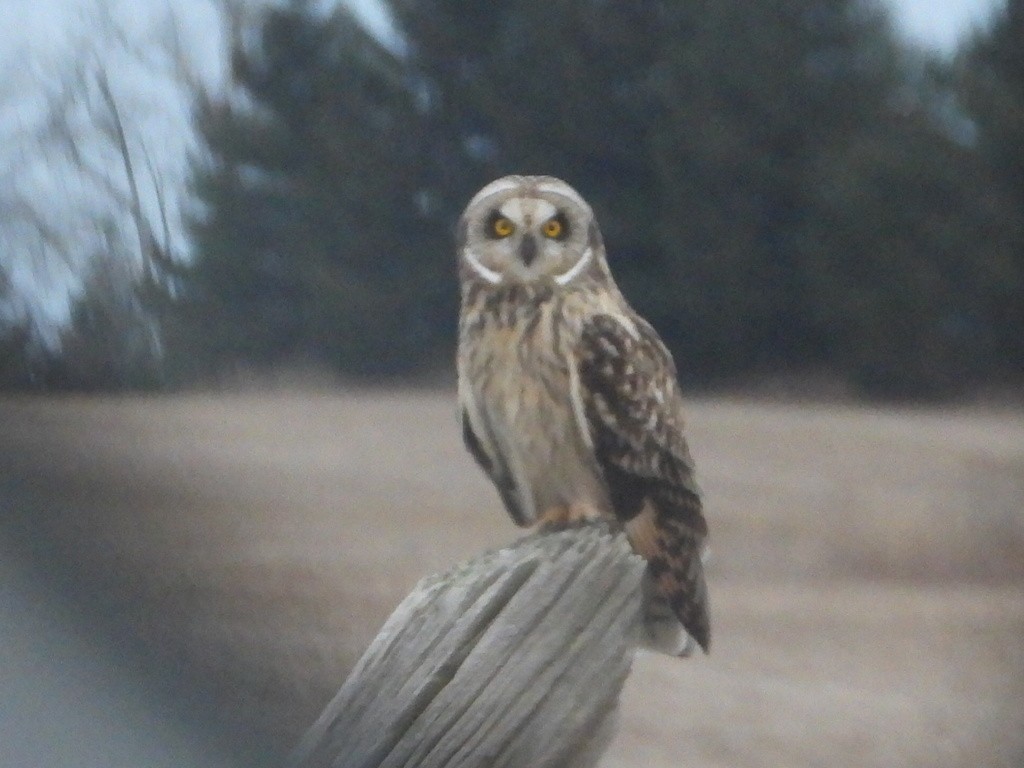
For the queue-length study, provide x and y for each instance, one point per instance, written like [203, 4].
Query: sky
[940, 24]
[43, 41]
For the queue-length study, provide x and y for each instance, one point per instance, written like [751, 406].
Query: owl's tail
[675, 591]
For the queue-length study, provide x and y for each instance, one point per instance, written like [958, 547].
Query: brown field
[867, 568]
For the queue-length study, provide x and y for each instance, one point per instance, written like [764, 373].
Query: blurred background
[228, 443]
[796, 189]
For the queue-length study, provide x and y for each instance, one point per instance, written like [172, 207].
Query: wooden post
[513, 659]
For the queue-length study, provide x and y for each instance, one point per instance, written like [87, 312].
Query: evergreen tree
[15, 369]
[113, 340]
[757, 94]
[780, 186]
[902, 257]
[312, 246]
[562, 88]
[992, 87]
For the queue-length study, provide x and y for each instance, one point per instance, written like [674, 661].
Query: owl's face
[527, 229]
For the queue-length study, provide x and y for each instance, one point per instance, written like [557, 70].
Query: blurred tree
[87, 211]
[15, 341]
[991, 70]
[332, 196]
[756, 96]
[315, 242]
[902, 255]
[112, 341]
[16, 365]
[781, 186]
[560, 88]
[114, 337]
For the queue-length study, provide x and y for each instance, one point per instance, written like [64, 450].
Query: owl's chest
[523, 384]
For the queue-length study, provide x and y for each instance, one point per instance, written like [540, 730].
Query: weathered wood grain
[513, 659]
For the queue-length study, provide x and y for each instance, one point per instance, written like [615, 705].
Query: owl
[569, 399]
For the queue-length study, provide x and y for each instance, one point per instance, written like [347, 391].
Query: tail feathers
[662, 630]
[676, 592]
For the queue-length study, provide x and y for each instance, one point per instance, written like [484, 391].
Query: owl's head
[529, 229]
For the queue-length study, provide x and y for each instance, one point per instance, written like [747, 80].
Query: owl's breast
[521, 379]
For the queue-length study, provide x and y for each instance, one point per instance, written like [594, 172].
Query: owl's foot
[558, 518]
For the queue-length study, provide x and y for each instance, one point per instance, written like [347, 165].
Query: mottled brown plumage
[569, 399]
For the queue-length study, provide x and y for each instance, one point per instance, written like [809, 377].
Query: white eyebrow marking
[578, 267]
[527, 211]
[543, 210]
[489, 275]
[513, 209]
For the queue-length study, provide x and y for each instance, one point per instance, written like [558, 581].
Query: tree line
[784, 188]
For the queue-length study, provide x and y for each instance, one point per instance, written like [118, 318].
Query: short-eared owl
[569, 399]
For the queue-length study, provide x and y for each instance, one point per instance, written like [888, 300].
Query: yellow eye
[552, 228]
[502, 227]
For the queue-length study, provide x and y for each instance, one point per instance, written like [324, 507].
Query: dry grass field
[867, 568]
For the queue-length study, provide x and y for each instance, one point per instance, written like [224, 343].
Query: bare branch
[156, 179]
[135, 208]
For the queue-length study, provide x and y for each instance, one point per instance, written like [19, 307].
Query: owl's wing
[494, 465]
[634, 415]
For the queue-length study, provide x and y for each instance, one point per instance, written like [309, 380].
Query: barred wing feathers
[634, 414]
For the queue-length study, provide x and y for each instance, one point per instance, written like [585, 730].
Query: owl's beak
[527, 249]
